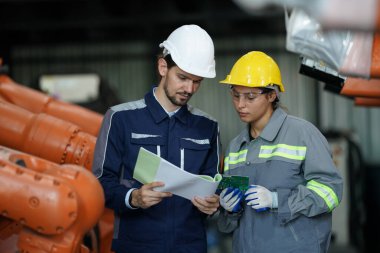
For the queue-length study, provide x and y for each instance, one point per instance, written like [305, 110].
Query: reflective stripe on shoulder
[235, 158]
[325, 192]
[283, 150]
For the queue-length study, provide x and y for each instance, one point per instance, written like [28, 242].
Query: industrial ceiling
[52, 21]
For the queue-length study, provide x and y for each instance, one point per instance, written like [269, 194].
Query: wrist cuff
[128, 199]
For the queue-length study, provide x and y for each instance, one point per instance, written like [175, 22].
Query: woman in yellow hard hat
[293, 182]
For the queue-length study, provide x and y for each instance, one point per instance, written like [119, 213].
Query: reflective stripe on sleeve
[283, 150]
[325, 192]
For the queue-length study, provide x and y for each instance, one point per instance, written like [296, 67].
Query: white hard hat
[192, 49]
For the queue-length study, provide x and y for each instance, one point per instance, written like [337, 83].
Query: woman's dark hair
[276, 102]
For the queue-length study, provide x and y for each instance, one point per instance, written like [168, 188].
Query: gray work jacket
[292, 158]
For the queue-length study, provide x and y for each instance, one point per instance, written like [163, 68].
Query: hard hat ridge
[255, 69]
[192, 49]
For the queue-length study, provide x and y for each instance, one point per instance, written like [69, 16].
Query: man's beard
[173, 99]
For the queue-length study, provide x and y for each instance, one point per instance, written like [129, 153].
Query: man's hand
[146, 196]
[207, 205]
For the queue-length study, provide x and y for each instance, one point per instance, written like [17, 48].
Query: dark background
[46, 21]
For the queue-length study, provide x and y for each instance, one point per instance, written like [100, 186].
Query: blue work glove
[260, 198]
[230, 199]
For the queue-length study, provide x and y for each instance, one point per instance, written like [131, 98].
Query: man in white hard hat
[163, 123]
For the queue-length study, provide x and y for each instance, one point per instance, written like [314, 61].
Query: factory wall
[129, 69]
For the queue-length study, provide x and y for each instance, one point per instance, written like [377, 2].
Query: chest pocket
[150, 142]
[193, 152]
[195, 144]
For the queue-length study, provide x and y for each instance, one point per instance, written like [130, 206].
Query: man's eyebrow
[188, 77]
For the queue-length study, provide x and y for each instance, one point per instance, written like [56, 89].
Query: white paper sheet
[177, 181]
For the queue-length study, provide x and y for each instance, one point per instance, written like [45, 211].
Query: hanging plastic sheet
[348, 52]
[348, 14]
[361, 15]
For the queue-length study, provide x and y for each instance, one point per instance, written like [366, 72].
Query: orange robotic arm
[45, 136]
[55, 204]
[375, 59]
[27, 125]
[38, 102]
[358, 87]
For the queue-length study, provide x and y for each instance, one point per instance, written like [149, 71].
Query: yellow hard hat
[255, 69]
